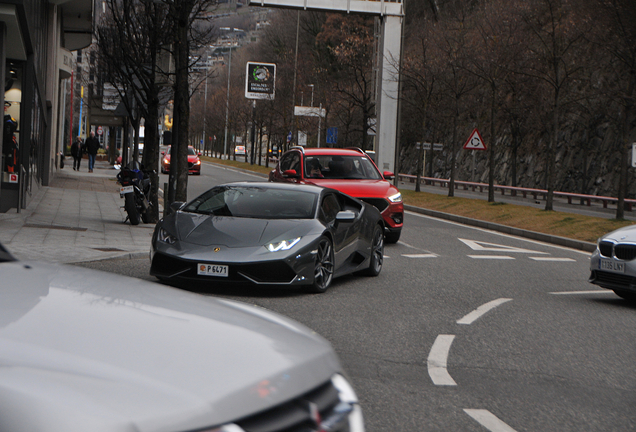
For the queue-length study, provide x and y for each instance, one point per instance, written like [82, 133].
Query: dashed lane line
[420, 255]
[488, 420]
[583, 292]
[437, 359]
[553, 259]
[481, 311]
[493, 257]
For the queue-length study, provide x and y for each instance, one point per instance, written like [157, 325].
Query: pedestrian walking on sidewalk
[91, 145]
[77, 148]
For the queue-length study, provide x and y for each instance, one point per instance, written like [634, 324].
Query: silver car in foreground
[82, 350]
[613, 263]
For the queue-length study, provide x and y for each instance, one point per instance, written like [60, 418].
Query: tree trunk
[151, 158]
[491, 150]
[515, 145]
[550, 154]
[451, 184]
[627, 119]
[181, 100]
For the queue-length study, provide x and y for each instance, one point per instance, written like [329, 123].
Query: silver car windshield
[255, 202]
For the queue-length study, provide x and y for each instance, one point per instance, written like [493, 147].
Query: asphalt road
[466, 330]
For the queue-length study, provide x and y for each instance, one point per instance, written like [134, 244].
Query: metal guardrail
[535, 193]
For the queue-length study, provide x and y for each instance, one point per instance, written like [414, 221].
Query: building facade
[37, 38]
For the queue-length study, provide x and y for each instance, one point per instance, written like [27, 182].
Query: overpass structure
[391, 15]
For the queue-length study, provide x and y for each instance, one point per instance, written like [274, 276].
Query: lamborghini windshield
[254, 202]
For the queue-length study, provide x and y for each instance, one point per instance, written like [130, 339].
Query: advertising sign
[260, 80]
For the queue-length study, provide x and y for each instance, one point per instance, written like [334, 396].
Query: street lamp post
[312, 93]
[227, 98]
[205, 99]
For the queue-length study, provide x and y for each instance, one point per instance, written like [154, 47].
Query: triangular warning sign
[475, 142]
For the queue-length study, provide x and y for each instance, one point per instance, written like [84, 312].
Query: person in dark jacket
[91, 145]
[77, 148]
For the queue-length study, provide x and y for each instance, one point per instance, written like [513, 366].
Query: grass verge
[569, 225]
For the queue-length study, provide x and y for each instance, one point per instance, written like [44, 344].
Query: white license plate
[126, 189]
[212, 270]
[610, 265]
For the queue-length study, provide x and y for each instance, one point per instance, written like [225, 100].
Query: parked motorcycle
[135, 189]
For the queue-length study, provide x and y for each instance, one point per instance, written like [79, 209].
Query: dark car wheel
[627, 295]
[392, 237]
[131, 208]
[377, 253]
[323, 272]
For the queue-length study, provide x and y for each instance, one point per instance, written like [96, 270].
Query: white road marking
[437, 361]
[482, 310]
[493, 247]
[488, 420]
[552, 259]
[411, 246]
[583, 292]
[411, 213]
[499, 257]
[419, 255]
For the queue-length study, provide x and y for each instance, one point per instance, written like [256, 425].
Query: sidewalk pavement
[79, 217]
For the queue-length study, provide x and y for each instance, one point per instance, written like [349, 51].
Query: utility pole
[227, 101]
[253, 132]
[205, 100]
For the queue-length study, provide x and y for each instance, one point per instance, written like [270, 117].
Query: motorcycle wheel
[131, 208]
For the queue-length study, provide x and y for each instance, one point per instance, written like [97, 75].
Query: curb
[546, 238]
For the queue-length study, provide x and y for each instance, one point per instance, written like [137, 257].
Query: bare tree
[419, 88]
[614, 31]
[184, 34]
[553, 60]
[451, 43]
[129, 43]
[349, 41]
[491, 57]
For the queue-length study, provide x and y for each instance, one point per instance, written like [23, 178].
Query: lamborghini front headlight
[282, 245]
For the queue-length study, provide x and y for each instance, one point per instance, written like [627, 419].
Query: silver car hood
[85, 350]
[625, 235]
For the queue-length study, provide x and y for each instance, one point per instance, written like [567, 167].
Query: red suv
[350, 171]
[194, 161]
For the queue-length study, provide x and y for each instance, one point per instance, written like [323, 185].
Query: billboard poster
[260, 80]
